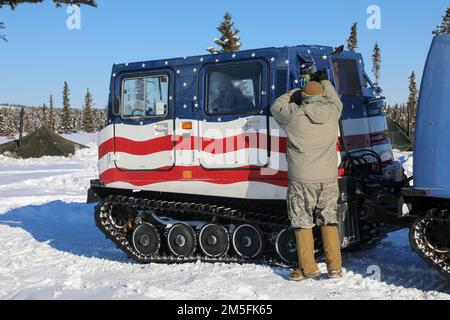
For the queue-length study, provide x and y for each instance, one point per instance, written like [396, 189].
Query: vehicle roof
[239, 55]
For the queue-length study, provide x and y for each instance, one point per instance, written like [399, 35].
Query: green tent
[40, 143]
[398, 137]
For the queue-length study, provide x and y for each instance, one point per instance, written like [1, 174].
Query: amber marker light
[187, 125]
[187, 174]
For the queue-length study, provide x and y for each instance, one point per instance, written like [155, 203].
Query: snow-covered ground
[51, 249]
[406, 159]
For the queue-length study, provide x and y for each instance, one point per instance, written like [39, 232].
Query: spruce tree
[10, 123]
[88, 113]
[444, 28]
[27, 124]
[100, 118]
[51, 115]
[412, 104]
[376, 58]
[74, 123]
[58, 120]
[404, 117]
[44, 116]
[229, 40]
[66, 123]
[352, 41]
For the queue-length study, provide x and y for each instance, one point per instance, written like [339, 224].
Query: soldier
[311, 126]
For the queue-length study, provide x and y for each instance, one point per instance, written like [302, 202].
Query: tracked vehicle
[428, 201]
[192, 165]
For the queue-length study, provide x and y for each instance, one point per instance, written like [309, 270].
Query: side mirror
[116, 104]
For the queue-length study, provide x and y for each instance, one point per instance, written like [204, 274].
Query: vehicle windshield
[145, 97]
[347, 78]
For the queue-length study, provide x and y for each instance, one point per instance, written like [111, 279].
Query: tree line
[90, 119]
[61, 120]
[403, 114]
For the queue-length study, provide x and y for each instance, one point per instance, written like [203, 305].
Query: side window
[145, 96]
[347, 78]
[234, 89]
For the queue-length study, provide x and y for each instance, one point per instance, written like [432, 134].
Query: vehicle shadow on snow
[391, 262]
[67, 227]
[394, 263]
[70, 227]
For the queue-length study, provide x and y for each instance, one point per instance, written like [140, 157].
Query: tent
[398, 136]
[40, 143]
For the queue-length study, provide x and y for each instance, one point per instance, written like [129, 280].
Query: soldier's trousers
[309, 205]
[312, 204]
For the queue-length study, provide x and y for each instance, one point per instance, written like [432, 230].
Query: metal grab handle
[161, 127]
[252, 123]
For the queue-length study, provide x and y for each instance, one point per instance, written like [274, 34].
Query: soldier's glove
[296, 97]
[320, 75]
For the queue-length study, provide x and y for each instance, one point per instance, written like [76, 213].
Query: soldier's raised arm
[331, 94]
[283, 109]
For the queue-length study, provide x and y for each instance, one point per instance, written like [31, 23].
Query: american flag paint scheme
[186, 148]
[192, 166]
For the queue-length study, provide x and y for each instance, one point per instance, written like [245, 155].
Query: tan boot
[305, 250]
[332, 250]
[297, 275]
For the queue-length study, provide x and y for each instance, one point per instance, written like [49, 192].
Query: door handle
[252, 123]
[161, 127]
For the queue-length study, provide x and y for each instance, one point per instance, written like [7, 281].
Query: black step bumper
[92, 193]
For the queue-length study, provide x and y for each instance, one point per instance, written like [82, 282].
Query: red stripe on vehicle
[355, 142]
[105, 147]
[141, 178]
[362, 141]
[379, 137]
[139, 148]
[380, 142]
[213, 146]
[229, 144]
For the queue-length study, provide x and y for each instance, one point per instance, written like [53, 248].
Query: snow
[83, 138]
[406, 159]
[51, 249]
[4, 139]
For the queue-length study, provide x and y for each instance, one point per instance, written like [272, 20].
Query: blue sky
[42, 53]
